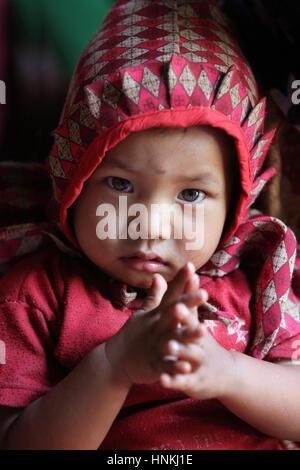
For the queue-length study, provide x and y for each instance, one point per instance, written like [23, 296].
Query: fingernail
[166, 379]
[190, 266]
[204, 293]
[174, 346]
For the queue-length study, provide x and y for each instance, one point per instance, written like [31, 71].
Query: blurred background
[40, 43]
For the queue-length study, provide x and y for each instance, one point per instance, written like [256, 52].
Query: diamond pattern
[111, 94]
[94, 103]
[235, 95]
[131, 88]
[56, 167]
[220, 258]
[275, 302]
[64, 150]
[74, 132]
[269, 296]
[280, 258]
[225, 85]
[144, 32]
[172, 79]
[188, 81]
[151, 82]
[205, 84]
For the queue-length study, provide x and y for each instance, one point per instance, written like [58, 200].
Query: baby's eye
[192, 195]
[119, 184]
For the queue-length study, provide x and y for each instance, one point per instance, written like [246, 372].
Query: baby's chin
[143, 282]
[139, 280]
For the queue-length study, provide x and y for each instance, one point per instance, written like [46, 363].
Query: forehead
[173, 150]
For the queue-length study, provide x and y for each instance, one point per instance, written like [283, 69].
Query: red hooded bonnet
[174, 63]
[170, 63]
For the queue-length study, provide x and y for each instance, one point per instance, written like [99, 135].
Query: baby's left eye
[192, 195]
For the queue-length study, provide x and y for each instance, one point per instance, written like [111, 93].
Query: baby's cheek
[199, 258]
[207, 247]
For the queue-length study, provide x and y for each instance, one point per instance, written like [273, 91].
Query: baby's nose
[160, 225]
[155, 221]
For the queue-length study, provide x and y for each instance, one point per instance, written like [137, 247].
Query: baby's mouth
[145, 261]
[148, 256]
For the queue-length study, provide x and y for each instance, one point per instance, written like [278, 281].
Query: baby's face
[170, 167]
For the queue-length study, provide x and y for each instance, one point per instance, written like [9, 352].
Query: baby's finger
[185, 315]
[170, 365]
[176, 382]
[193, 299]
[192, 284]
[178, 285]
[155, 294]
[181, 313]
[164, 346]
[185, 311]
[186, 334]
[191, 352]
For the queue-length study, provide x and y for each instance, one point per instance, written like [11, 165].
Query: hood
[153, 63]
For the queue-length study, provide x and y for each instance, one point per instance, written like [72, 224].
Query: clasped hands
[165, 341]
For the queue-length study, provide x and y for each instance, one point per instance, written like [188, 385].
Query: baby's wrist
[230, 383]
[115, 359]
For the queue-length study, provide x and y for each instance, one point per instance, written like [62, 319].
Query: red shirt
[55, 308]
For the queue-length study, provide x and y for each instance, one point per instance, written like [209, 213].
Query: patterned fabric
[272, 245]
[25, 190]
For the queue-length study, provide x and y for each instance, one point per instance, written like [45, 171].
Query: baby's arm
[75, 414]
[79, 411]
[263, 394]
[266, 396]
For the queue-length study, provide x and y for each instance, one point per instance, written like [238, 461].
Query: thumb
[156, 292]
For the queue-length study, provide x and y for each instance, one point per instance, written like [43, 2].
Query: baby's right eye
[119, 184]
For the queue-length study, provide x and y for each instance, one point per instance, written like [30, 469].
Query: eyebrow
[122, 165]
[206, 176]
